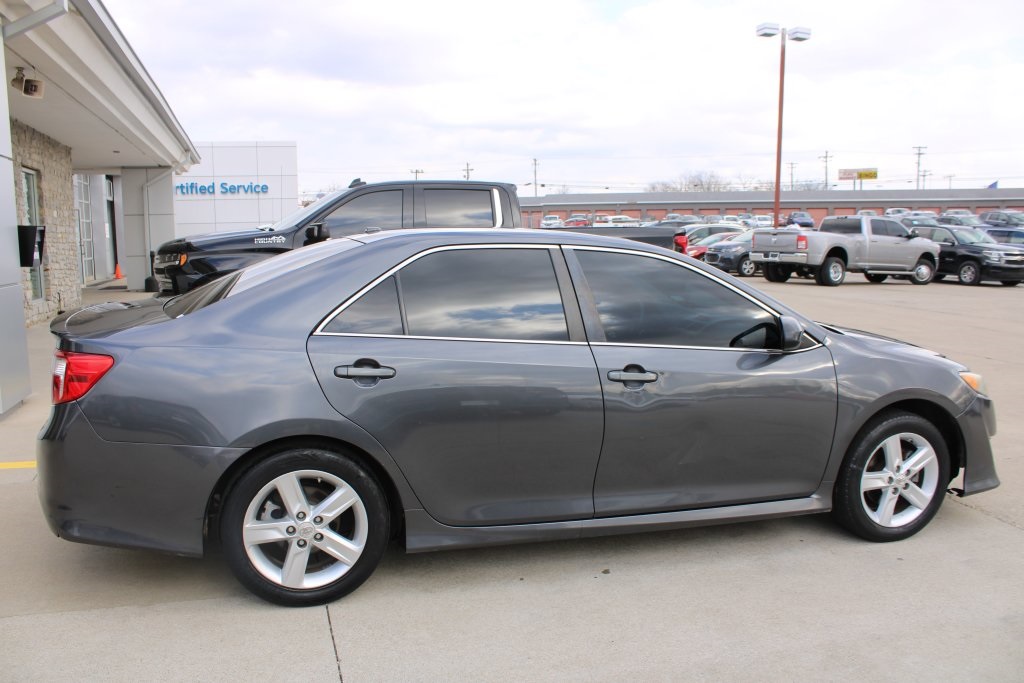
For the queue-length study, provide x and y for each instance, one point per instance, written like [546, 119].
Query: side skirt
[424, 533]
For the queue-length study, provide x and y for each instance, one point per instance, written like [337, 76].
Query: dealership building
[236, 186]
[87, 167]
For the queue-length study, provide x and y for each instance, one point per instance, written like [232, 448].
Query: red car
[698, 250]
[576, 223]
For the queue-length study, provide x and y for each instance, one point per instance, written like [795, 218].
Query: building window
[30, 209]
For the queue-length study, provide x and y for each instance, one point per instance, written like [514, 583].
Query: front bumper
[1004, 272]
[978, 425]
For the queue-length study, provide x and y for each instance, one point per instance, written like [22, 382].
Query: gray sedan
[466, 388]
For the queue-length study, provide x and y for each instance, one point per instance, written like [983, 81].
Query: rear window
[461, 209]
[842, 226]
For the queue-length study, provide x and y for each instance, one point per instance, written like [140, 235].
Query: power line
[920, 153]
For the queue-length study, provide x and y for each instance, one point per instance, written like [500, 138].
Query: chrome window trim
[461, 339]
[319, 331]
[817, 344]
[496, 200]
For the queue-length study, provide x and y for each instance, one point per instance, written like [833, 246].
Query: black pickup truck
[188, 262]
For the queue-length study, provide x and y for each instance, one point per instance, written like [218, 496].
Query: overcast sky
[603, 93]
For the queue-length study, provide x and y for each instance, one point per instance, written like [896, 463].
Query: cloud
[601, 93]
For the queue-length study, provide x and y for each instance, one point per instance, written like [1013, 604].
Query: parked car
[972, 256]
[575, 223]
[551, 222]
[963, 221]
[896, 211]
[1004, 235]
[681, 221]
[920, 214]
[733, 255]
[999, 219]
[957, 212]
[801, 218]
[867, 212]
[691, 234]
[525, 385]
[764, 220]
[698, 249]
[731, 219]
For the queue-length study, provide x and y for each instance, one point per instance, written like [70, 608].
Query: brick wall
[61, 264]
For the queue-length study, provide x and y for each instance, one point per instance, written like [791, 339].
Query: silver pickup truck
[873, 245]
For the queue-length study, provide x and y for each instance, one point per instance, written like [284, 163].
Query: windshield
[302, 214]
[921, 223]
[971, 236]
[970, 220]
[1015, 219]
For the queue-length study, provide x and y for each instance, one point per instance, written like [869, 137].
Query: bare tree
[701, 181]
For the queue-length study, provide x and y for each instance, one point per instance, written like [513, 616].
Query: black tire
[874, 496]
[1010, 283]
[773, 272]
[831, 273]
[746, 267]
[924, 272]
[969, 273]
[309, 477]
[876, 279]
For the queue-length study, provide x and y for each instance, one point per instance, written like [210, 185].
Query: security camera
[32, 88]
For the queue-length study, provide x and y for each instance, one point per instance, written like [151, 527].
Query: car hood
[267, 239]
[101, 320]
[887, 345]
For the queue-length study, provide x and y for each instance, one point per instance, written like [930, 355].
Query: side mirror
[792, 332]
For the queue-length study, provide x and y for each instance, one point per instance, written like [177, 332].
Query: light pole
[798, 34]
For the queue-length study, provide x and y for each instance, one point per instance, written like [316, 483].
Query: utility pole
[792, 165]
[416, 172]
[535, 178]
[950, 179]
[825, 158]
[924, 178]
[920, 153]
[468, 169]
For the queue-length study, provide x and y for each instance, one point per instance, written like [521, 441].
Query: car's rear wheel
[773, 272]
[746, 267]
[969, 273]
[875, 278]
[304, 527]
[893, 478]
[923, 272]
[831, 273]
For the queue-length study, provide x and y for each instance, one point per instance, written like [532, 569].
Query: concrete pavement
[779, 600]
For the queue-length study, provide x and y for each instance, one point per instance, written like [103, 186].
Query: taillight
[681, 243]
[801, 242]
[74, 374]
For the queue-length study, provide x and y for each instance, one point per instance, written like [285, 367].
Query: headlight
[975, 382]
[993, 255]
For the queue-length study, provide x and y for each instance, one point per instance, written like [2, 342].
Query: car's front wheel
[923, 272]
[893, 478]
[304, 527]
[969, 273]
[746, 267]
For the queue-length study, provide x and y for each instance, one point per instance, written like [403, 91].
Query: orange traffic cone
[117, 272]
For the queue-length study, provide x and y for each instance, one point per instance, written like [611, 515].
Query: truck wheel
[923, 273]
[969, 273]
[831, 273]
[875, 278]
[773, 272]
[746, 267]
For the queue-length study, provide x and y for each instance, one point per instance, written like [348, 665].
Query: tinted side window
[376, 312]
[484, 294]
[643, 300]
[842, 226]
[894, 229]
[375, 209]
[458, 208]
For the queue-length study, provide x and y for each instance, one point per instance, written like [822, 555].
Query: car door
[947, 247]
[699, 411]
[470, 370]
[885, 250]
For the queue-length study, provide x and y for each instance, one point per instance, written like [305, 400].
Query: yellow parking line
[18, 465]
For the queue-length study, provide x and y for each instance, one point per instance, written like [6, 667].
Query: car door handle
[626, 376]
[363, 372]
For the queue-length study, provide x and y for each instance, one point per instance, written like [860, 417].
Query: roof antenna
[358, 182]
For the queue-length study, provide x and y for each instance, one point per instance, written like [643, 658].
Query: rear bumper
[798, 258]
[131, 495]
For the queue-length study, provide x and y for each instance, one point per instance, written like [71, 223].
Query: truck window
[372, 210]
[459, 208]
[841, 226]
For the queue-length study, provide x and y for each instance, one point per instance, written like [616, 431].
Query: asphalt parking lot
[794, 599]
